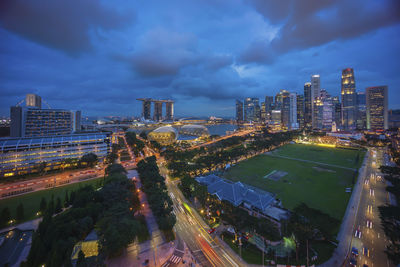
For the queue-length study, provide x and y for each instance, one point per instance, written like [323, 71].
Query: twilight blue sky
[99, 56]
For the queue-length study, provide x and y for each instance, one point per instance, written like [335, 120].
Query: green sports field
[319, 186]
[31, 201]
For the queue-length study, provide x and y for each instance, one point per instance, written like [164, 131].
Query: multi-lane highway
[191, 228]
[368, 239]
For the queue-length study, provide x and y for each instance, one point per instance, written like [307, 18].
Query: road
[238, 133]
[191, 228]
[368, 236]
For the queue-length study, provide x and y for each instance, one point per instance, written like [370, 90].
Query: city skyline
[101, 65]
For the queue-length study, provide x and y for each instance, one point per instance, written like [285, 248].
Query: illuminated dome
[164, 135]
[194, 130]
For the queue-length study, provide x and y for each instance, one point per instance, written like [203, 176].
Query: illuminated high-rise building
[279, 98]
[158, 110]
[293, 124]
[377, 107]
[251, 109]
[263, 112]
[361, 112]
[239, 111]
[315, 92]
[169, 109]
[308, 102]
[349, 100]
[337, 111]
[300, 110]
[269, 106]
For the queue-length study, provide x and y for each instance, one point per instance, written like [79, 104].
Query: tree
[50, 207]
[115, 168]
[5, 216]
[43, 205]
[58, 207]
[20, 212]
[90, 159]
[66, 199]
[112, 157]
[143, 135]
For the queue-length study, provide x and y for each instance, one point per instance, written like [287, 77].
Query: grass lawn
[31, 201]
[320, 187]
[336, 156]
[324, 249]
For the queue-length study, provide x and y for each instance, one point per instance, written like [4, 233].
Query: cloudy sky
[99, 56]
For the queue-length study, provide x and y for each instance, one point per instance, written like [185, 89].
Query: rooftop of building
[238, 193]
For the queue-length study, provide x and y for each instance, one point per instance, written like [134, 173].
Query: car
[364, 265]
[212, 230]
[354, 251]
[369, 224]
[366, 251]
[353, 262]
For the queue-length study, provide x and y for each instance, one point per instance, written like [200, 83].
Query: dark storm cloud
[306, 24]
[63, 25]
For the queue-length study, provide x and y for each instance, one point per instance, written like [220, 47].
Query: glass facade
[23, 155]
[377, 107]
[349, 100]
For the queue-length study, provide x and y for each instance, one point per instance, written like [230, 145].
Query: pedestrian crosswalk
[173, 260]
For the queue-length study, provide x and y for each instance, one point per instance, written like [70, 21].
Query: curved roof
[194, 126]
[166, 129]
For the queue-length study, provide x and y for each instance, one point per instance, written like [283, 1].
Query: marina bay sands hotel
[158, 104]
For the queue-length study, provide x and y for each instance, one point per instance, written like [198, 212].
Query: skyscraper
[251, 109]
[349, 99]
[318, 113]
[377, 107]
[285, 111]
[361, 112]
[315, 92]
[157, 110]
[300, 110]
[279, 98]
[169, 108]
[293, 112]
[308, 102]
[239, 111]
[263, 112]
[337, 111]
[269, 106]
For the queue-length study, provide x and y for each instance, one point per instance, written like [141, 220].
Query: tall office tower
[318, 113]
[286, 111]
[32, 121]
[377, 107]
[239, 111]
[157, 110]
[337, 111]
[308, 102]
[251, 107]
[315, 92]
[327, 113]
[293, 112]
[33, 100]
[361, 116]
[269, 103]
[258, 112]
[269, 106]
[279, 98]
[349, 100]
[263, 112]
[169, 108]
[300, 110]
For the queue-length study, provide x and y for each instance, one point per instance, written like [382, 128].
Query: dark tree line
[227, 151]
[108, 210]
[153, 184]
[135, 144]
